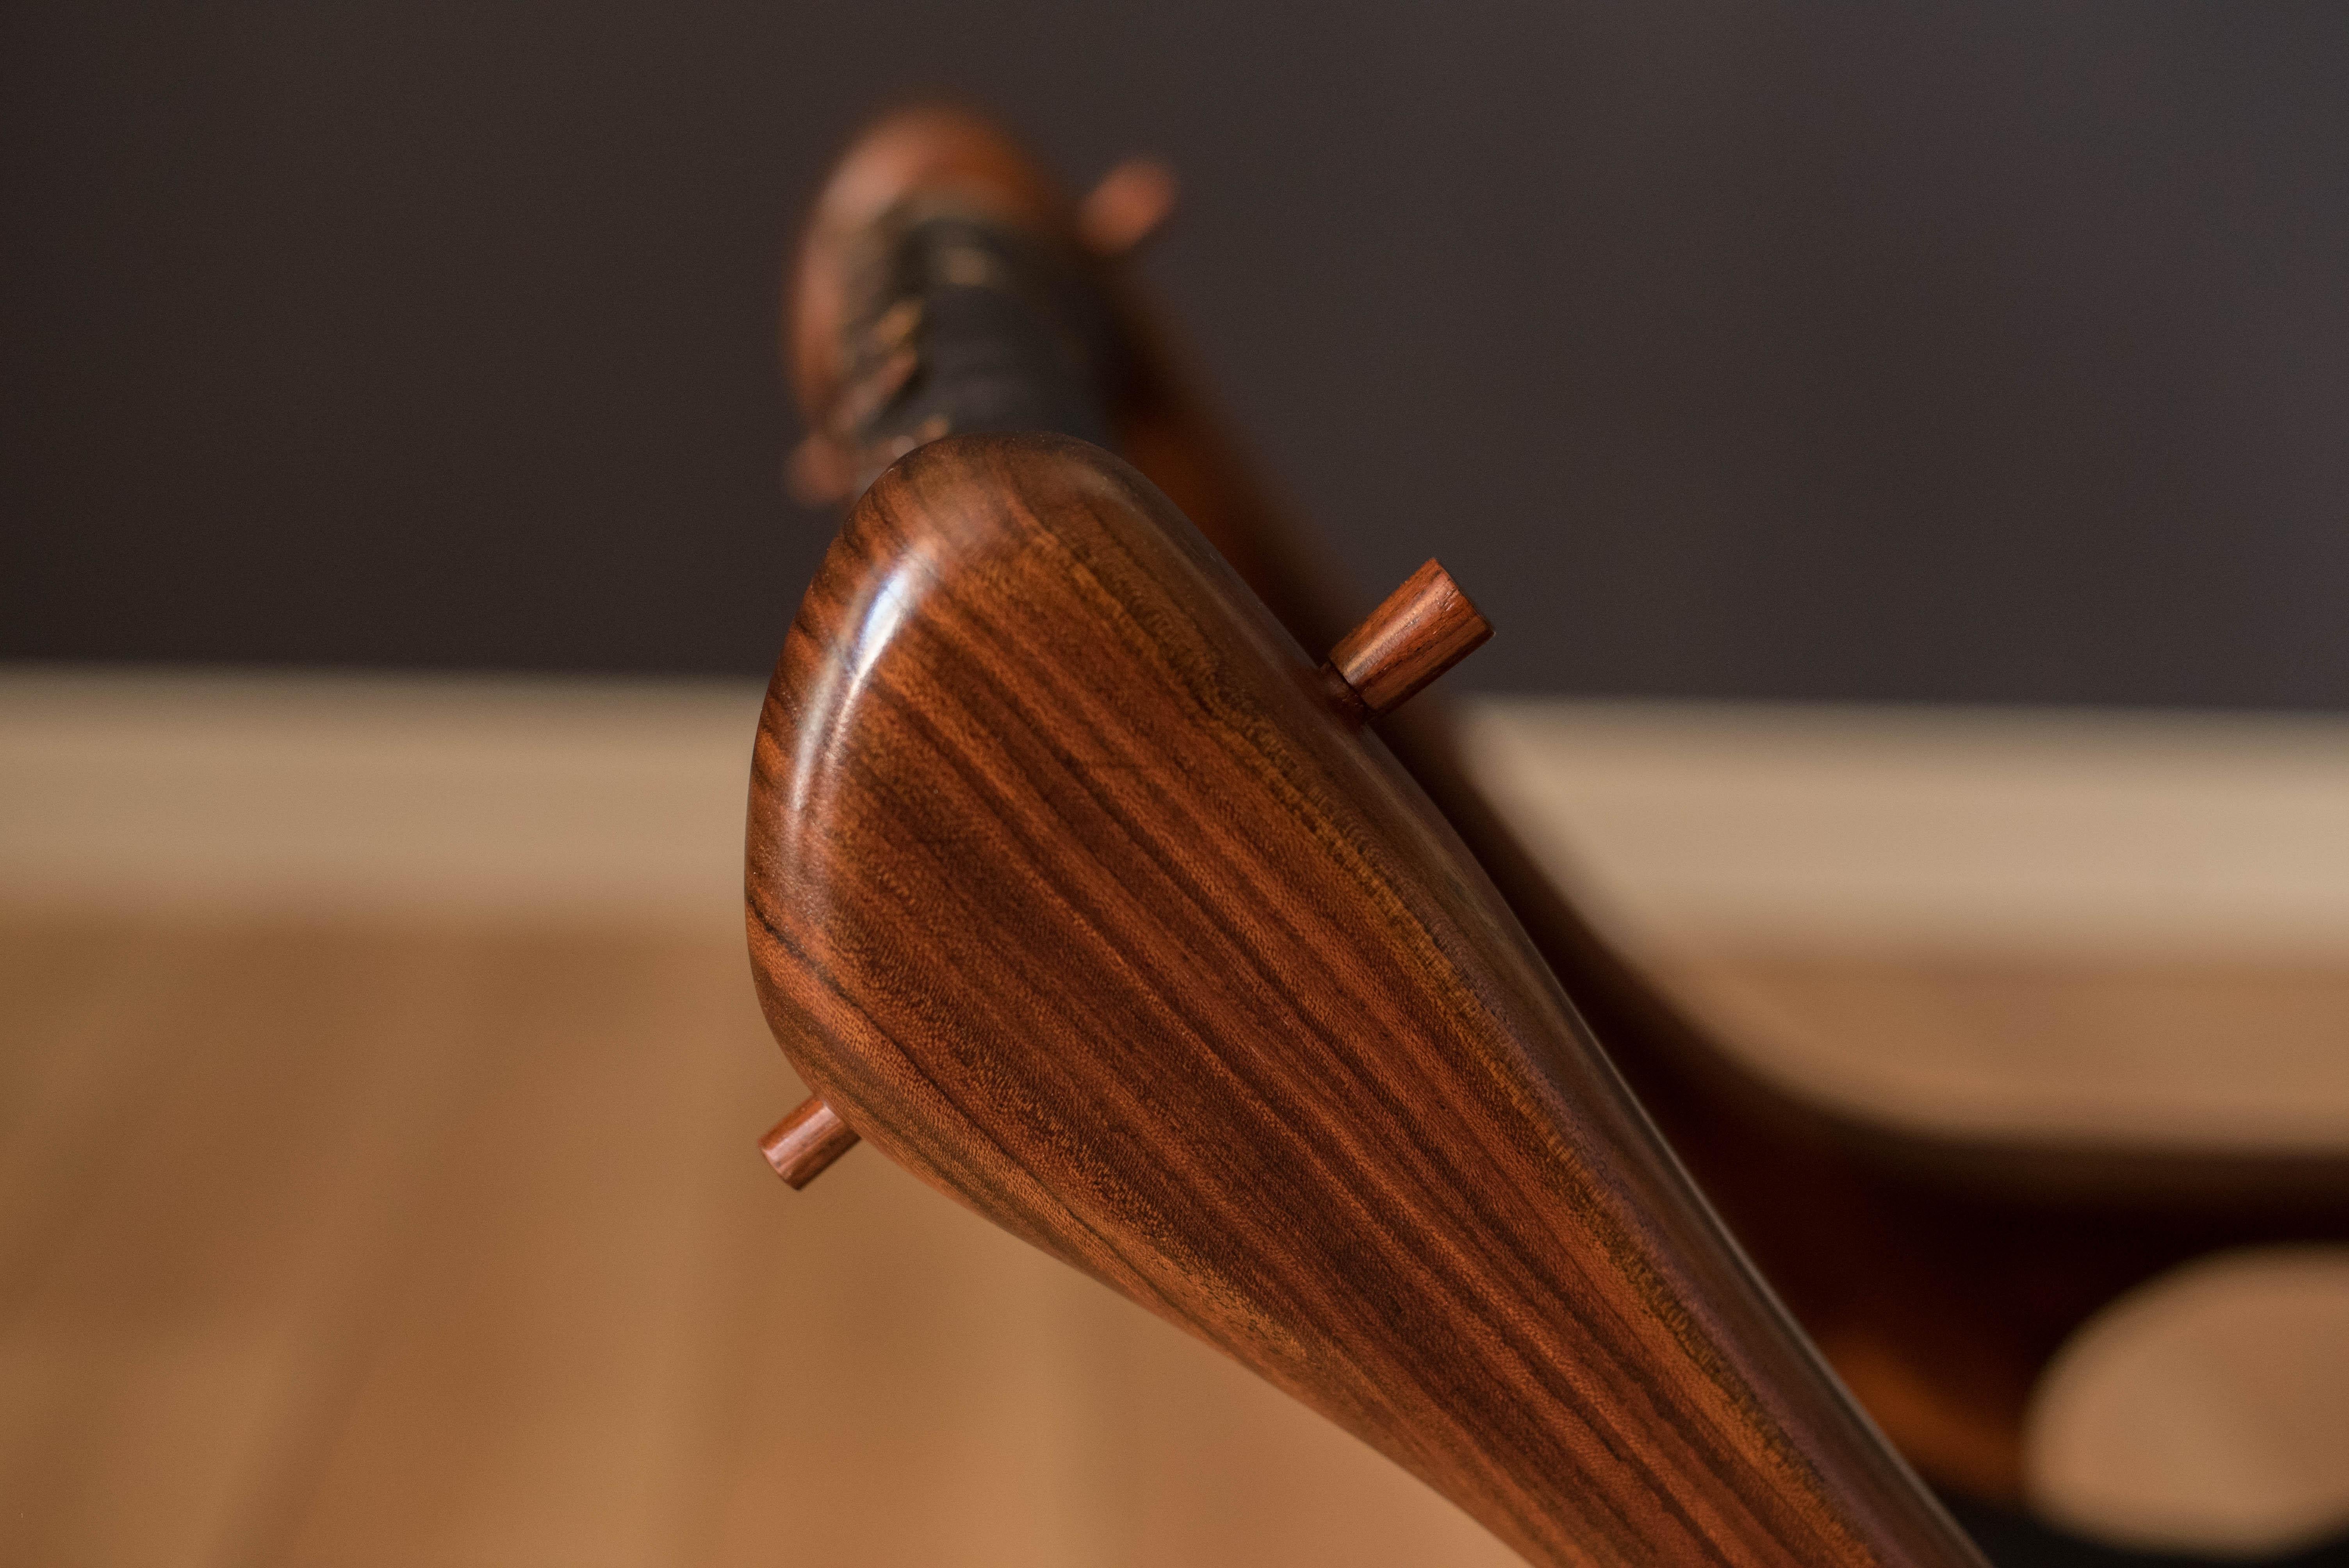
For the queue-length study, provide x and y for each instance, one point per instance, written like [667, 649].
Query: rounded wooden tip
[803, 1144]
[1422, 629]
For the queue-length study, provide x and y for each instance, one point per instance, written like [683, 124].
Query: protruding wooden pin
[1422, 629]
[1132, 202]
[804, 1144]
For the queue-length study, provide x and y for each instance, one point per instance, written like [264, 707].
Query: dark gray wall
[1864, 351]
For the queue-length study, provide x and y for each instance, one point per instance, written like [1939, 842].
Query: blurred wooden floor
[379, 1077]
[340, 1242]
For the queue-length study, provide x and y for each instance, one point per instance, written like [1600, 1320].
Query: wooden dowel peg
[803, 1144]
[1131, 204]
[1422, 629]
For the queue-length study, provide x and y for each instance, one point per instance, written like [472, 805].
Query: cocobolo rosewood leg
[1068, 886]
[803, 1145]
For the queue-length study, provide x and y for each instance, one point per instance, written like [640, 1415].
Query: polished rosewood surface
[1072, 890]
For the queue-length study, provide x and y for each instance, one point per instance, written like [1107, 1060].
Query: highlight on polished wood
[1417, 632]
[803, 1146]
[1066, 887]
